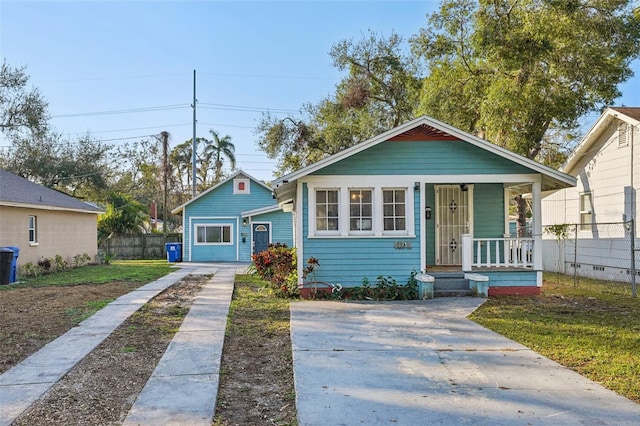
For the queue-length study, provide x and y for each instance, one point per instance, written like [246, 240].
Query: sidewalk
[29, 380]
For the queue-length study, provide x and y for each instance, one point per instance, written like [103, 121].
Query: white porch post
[467, 252]
[536, 224]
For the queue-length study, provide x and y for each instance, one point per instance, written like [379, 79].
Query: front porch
[490, 267]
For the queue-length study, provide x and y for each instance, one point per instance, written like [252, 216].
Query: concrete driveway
[423, 362]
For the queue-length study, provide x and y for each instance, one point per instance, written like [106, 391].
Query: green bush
[385, 288]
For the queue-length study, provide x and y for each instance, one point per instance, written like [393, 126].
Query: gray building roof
[20, 192]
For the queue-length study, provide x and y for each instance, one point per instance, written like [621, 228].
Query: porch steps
[450, 284]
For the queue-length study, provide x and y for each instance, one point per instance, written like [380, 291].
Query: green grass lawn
[592, 328]
[124, 270]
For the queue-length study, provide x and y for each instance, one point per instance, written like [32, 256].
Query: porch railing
[496, 252]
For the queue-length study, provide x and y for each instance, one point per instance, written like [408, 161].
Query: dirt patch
[101, 389]
[32, 317]
[256, 380]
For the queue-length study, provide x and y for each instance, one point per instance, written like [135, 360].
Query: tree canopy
[22, 108]
[379, 91]
[520, 74]
[511, 71]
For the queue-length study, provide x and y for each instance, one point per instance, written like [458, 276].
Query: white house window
[623, 132]
[360, 210]
[213, 234]
[33, 229]
[394, 210]
[241, 186]
[586, 214]
[327, 210]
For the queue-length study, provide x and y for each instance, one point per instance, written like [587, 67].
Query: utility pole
[194, 143]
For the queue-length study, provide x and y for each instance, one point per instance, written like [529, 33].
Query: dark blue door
[260, 237]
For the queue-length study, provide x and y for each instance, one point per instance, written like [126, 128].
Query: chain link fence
[603, 251]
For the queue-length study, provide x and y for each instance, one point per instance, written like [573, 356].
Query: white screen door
[452, 220]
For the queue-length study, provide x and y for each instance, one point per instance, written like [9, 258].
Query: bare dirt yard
[256, 385]
[31, 317]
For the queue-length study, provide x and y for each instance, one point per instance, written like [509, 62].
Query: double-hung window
[394, 210]
[33, 230]
[213, 234]
[327, 214]
[360, 210]
[586, 213]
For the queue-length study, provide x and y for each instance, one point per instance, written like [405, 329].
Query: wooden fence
[143, 246]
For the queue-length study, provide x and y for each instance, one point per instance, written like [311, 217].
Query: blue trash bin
[13, 276]
[174, 252]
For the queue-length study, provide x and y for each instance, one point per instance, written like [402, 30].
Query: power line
[127, 130]
[246, 108]
[122, 111]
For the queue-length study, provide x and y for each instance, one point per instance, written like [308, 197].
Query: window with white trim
[360, 210]
[586, 213]
[327, 217]
[213, 234]
[33, 229]
[394, 210]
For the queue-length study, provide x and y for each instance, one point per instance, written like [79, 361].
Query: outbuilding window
[213, 234]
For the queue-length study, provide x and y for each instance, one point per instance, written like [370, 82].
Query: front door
[452, 220]
[260, 237]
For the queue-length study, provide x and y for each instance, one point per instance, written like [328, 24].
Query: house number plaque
[402, 244]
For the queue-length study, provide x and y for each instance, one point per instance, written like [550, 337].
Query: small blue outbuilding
[233, 220]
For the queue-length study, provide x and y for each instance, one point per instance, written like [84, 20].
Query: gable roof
[218, 185]
[16, 191]
[427, 128]
[585, 151]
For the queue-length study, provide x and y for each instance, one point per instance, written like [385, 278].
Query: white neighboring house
[606, 164]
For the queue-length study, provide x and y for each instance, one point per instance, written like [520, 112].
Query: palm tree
[217, 149]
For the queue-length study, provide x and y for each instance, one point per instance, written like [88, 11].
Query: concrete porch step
[453, 293]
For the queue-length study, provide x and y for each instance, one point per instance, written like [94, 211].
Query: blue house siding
[505, 282]
[423, 158]
[349, 261]
[221, 205]
[281, 224]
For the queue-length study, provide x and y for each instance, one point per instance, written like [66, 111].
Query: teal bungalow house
[232, 220]
[423, 197]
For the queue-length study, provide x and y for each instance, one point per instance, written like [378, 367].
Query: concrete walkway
[189, 353]
[423, 362]
[183, 388]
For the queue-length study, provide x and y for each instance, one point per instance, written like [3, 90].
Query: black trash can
[6, 257]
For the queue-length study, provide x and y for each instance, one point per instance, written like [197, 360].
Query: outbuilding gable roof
[20, 192]
[426, 128]
[585, 151]
[218, 185]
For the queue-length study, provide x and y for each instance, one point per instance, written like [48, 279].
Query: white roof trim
[261, 210]
[467, 137]
[219, 184]
[591, 137]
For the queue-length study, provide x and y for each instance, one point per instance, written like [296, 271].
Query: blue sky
[91, 57]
